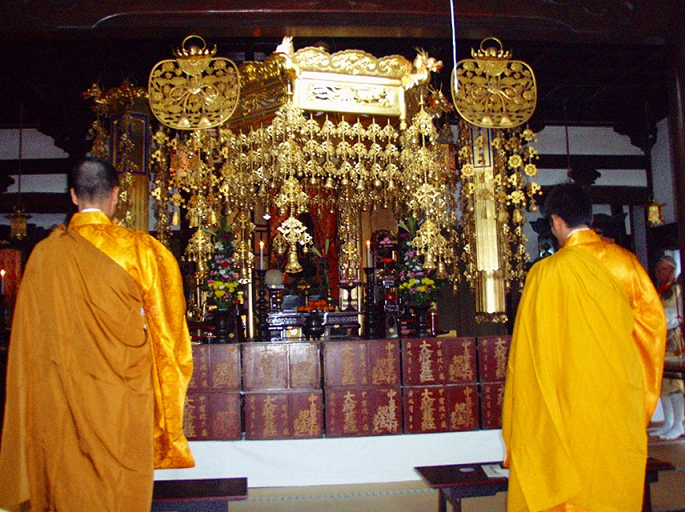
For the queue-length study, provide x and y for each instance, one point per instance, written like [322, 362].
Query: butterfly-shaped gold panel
[492, 91]
[196, 90]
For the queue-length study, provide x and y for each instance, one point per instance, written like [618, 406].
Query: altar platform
[336, 461]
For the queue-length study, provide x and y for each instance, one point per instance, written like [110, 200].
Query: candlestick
[261, 255]
[368, 253]
[2, 282]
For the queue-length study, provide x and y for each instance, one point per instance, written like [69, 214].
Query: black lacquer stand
[262, 309]
[370, 316]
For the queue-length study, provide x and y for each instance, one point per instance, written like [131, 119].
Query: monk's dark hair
[570, 202]
[93, 178]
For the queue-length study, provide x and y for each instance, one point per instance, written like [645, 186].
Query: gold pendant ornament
[492, 91]
[197, 90]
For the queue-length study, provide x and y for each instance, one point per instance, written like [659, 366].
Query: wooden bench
[457, 481]
[210, 495]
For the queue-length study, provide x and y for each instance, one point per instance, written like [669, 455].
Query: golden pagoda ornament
[197, 90]
[491, 90]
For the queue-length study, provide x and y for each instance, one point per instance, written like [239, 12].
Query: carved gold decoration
[121, 135]
[495, 191]
[492, 91]
[291, 233]
[197, 90]
[325, 130]
[495, 97]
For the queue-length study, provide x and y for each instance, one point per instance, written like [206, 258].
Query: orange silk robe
[99, 364]
[582, 380]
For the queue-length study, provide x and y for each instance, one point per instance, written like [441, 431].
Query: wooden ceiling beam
[37, 202]
[620, 162]
[631, 196]
[37, 166]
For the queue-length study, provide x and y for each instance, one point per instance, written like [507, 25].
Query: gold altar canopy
[329, 130]
[313, 131]
[346, 132]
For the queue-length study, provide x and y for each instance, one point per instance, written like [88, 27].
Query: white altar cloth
[336, 461]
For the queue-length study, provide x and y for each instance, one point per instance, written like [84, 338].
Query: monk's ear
[74, 199]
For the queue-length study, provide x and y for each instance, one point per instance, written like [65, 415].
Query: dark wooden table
[208, 495]
[457, 481]
[674, 368]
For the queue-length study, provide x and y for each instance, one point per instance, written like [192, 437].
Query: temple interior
[352, 191]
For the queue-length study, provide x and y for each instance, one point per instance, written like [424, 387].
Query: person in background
[99, 363]
[672, 399]
[584, 371]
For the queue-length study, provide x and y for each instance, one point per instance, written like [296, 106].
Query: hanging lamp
[18, 218]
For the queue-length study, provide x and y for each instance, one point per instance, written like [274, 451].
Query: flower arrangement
[223, 277]
[418, 287]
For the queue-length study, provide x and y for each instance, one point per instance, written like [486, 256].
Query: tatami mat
[668, 494]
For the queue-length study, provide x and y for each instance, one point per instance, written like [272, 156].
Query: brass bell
[193, 222]
[293, 266]
[329, 183]
[441, 272]
[429, 262]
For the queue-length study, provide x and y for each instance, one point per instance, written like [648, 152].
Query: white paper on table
[495, 471]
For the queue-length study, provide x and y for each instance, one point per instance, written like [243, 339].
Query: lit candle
[2, 282]
[261, 255]
[368, 253]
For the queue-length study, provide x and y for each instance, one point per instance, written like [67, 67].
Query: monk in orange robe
[583, 373]
[99, 363]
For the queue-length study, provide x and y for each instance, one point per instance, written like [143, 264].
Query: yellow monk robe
[84, 377]
[649, 329]
[156, 271]
[577, 388]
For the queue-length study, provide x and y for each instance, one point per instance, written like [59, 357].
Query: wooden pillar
[677, 132]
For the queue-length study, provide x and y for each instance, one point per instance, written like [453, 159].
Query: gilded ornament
[492, 91]
[530, 169]
[197, 90]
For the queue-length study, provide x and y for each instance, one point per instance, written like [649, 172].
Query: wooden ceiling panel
[596, 61]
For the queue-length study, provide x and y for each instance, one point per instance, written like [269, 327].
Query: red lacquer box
[216, 367]
[281, 366]
[363, 411]
[361, 363]
[492, 358]
[451, 408]
[434, 361]
[491, 400]
[212, 416]
[284, 415]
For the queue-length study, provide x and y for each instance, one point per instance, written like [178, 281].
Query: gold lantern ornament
[655, 213]
[196, 90]
[18, 223]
